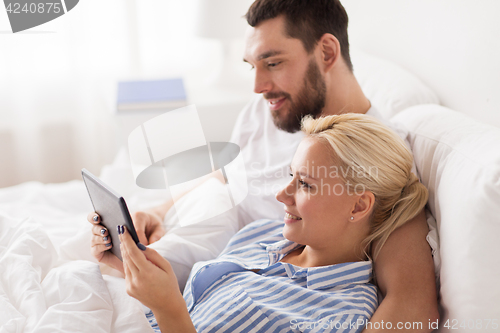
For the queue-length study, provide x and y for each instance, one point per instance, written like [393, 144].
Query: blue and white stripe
[152, 321]
[248, 289]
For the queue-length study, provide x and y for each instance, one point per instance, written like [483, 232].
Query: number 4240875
[454, 324]
[47, 7]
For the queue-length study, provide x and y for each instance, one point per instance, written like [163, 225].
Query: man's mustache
[273, 95]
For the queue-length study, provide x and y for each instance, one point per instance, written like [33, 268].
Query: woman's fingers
[101, 243]
[149, 277]
[158, 260]
[93, 218]
[139, 258]
[136, 258]
[140, 220]
[98, 249]
[157, 234]
[126, 269]
[130, 268]
[148, 227]
[100, 230]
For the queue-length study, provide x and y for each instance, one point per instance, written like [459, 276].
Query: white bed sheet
[50, 282]
[41, 288]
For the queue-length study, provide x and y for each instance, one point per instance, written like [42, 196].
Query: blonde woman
[351, 186]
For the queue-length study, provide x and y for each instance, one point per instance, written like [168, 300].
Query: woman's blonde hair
[375, 158]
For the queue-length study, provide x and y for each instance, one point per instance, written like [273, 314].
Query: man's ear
[363, 206]
[329, 49]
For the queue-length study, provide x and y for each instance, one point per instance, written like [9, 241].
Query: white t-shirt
[268, 152]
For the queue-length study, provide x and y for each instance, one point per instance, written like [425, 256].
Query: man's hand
[148, 226]
[405, 276]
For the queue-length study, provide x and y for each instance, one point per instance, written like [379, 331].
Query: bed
[50, 283]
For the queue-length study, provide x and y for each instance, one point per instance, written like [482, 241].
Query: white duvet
[41, 288]
[49, 281]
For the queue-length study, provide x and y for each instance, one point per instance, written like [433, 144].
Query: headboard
[451, 45]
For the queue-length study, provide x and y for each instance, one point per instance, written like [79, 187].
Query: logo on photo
[26, 14]
[170, 152]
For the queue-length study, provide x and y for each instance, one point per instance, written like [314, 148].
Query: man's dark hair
[306, 20]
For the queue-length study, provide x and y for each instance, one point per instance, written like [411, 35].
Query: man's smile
[276, 103]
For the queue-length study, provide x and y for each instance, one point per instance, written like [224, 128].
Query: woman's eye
[304, 184]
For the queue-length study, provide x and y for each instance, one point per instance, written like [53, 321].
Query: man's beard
[309, 101]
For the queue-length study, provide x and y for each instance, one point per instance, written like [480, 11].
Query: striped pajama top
[248, 289]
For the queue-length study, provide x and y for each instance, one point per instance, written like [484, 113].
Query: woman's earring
[352, 218]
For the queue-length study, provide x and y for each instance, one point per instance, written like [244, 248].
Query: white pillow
[389, 87]
[458, 159]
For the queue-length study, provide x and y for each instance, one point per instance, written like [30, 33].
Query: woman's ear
[329, 49]
[363, 206]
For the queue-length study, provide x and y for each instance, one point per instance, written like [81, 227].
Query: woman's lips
[289, 218]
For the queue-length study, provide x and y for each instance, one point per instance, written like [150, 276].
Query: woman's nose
[286, 194]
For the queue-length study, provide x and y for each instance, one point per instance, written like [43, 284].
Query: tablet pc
[111, 208]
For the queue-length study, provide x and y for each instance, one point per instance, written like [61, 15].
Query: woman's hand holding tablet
[101, 243]
[110, 212]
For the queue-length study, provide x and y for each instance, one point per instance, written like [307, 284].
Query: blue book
[161, 95]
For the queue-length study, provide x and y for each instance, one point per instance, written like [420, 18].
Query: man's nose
[263, 83]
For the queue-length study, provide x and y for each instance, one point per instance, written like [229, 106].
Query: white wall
[452, 45]
[58, 81]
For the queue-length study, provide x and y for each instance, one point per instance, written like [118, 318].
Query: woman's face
[318, 205]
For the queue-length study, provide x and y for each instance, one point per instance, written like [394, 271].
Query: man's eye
[273, 64]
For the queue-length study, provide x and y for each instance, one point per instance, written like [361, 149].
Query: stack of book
[157, 96]
[139, 101]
